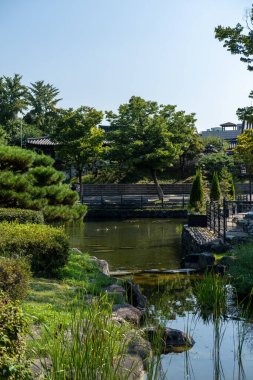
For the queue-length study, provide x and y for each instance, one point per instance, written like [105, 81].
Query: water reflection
[221, 351]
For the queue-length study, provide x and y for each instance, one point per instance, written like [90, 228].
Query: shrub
[215, 192]
[14, 277]
[21, 215]
[47, 247]
[13, 326]
[197, 197]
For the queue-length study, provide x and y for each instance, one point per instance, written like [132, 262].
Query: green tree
[244, 152]
[13, 98]
[29, 180]
[80, 140]
[215, 162]
[197, 196]
[215, 192]
[145, 135]
[218, 143]
[42, 100]
[227, 184]
[239, 40]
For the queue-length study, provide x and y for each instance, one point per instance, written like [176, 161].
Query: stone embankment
[200, 239]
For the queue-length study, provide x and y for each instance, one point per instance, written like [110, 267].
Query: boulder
[172, 340]
[127, 312]
[139, 346]
[115, 289]
[103, 265]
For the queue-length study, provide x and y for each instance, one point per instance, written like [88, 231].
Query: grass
[241, 269]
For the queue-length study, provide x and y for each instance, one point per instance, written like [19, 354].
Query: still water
[131, 244]
[223, 349]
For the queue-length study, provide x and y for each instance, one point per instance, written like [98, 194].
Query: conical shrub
[215, 192]
[197, 197]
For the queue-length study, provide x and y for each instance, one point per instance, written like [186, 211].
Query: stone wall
[197, 240]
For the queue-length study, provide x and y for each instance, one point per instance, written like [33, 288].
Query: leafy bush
[21, 215]
[13, 326]
[47, 247]
[14, 277]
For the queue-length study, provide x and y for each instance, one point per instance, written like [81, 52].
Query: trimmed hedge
[47, 247]
[21, 216]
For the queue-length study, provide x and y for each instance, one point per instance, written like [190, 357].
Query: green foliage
[215, 162]
[43, 101]
[14, 277]
[236, 41]
[147, 135]
[218, 143]
[47, 247]
[45, 175]
[64, 213]
[80, 140]
[28, 180]
[15, 159]
[215, 192]
[227, 184]
[21, 216]
[244, 149]
[197, 196]
[241, 269]
[211, 296]
[13, 326]
[91, 344]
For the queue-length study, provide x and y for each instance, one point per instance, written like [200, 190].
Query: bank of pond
[79, 323]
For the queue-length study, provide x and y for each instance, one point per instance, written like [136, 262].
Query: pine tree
[215, 192]
[197, 197]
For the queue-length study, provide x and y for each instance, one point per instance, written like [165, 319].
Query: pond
[131, 244]
[223, 346]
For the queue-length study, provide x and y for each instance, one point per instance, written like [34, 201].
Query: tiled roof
[42, 141]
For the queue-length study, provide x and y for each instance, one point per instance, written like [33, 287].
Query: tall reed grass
[89, 346]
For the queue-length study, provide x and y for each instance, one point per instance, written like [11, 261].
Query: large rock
[171, 340]
[199, 261]
[137, 345]
[103, 265]
[126, 312]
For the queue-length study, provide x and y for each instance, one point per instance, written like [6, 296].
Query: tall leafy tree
[43, 100]
[13, 98]
[244, 152]
[147, 135]
[239, 40]
[80, 140]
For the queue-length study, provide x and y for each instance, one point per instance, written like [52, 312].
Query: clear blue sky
[101, 52]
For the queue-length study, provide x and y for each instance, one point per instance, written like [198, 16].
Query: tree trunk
[158, 187]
